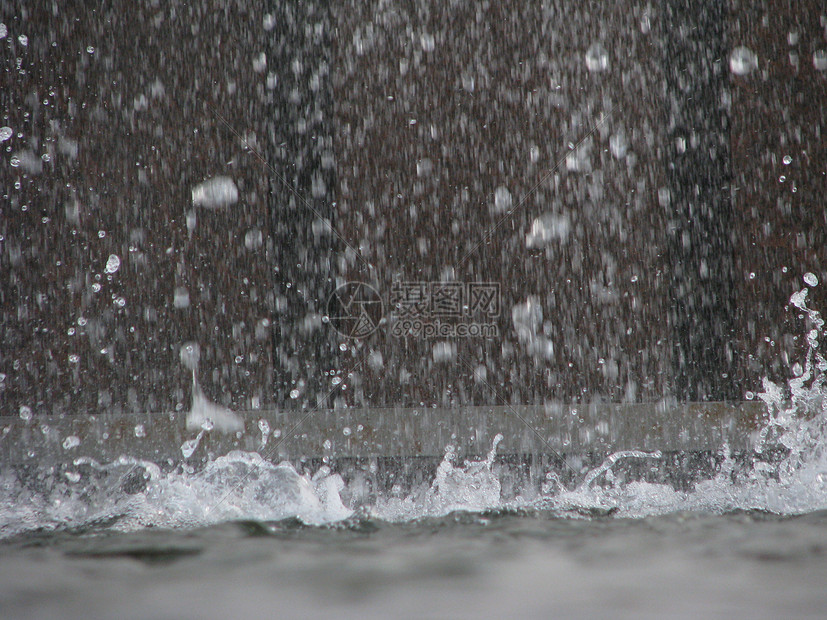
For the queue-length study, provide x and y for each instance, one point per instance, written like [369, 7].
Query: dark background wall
[122, 109]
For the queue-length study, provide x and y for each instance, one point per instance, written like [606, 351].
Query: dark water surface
[492, 564]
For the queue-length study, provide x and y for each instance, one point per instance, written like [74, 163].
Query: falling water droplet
[502, 199]
[220, 191]
[253, 239]
[113, 263]
[191, 445]
[743, 61]
[597, 58]
[181, 297]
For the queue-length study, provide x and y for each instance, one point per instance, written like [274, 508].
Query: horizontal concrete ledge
[392, 432]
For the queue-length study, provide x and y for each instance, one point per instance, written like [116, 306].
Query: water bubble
[6, 133]
[787, 160]
[113, 263]
[327, 444]
[72, 476]
[811, 279]
[101, 234]
[743, 61]
[14, 162]
[90, 50]
[25, 413]
[82, 321]
[749, 395]
[24, 40]
[96, 287]
[597, 58]
[74, 358]
[336, 380]
[294, 394]
[3, 30]
[820, 60]
[346, 431]
[71, 442]
[343, 347]
[140, 431]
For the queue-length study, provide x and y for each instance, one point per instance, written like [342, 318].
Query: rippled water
[486, 564]
[245, 536]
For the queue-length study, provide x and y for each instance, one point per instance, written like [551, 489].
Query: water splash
[130, 494]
